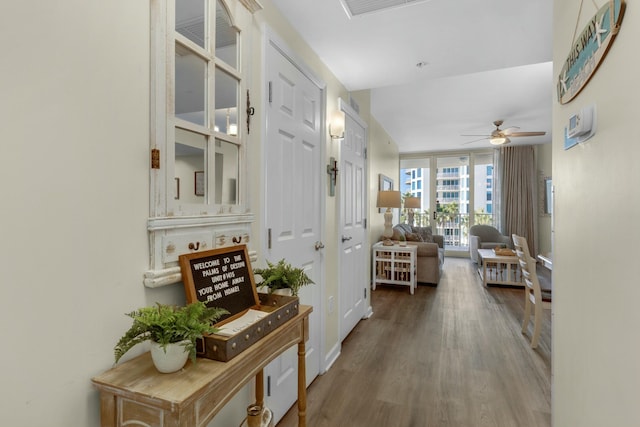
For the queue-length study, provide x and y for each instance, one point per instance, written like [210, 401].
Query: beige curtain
[518, 185]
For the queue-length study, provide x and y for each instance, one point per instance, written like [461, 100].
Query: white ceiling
[486, 60]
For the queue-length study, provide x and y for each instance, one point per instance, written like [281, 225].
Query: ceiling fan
[501, 136]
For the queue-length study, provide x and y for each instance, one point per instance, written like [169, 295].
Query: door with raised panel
[354, 247]
[293, 192]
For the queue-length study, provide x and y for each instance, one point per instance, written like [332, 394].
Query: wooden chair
[535, 296]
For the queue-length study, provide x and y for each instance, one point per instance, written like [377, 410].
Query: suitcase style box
[224, 278]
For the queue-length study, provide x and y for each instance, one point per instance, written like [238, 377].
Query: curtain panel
[518, 193]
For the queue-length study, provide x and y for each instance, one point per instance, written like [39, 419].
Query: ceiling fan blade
[475, 140]
[484, 134]
[527, 134]
[509, 130]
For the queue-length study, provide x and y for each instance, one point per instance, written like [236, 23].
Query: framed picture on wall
[384, 184]
[199, 183]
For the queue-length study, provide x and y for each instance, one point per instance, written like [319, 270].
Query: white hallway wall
[74, 182]
[74, 179]
[596, 291]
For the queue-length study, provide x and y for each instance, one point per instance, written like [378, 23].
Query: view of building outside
[452, 217]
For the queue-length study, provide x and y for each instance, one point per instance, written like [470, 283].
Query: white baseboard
[331, 358]
[369, 313]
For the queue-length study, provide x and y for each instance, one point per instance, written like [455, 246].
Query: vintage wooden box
[224, 278]
[278, 309]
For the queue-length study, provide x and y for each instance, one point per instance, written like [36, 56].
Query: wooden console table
[135, 393]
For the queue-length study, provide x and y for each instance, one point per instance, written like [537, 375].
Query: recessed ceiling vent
[362, 7]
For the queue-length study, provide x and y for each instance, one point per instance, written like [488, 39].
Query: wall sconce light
[411, 203]
[336, 125]
[389, 200]
[332, 170]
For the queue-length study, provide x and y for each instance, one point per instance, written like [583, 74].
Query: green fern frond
[167, 324]
[283, 275]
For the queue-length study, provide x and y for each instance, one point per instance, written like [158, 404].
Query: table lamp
[411, 203]
[389, 200]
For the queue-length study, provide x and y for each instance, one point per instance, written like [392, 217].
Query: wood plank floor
[451, 355]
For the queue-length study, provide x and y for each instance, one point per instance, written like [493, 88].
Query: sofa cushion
[413, 237]
[400, 231]
[425, 233]
[426, 250]
[398, 234]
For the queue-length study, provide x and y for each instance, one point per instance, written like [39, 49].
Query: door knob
[345, 238]
[319, 245]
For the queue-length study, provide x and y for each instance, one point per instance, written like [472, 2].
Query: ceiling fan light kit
[499, 140]
[502, 136]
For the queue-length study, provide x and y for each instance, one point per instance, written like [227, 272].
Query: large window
[452, 195]
[458, 194]
[483, 189]
[414, 182]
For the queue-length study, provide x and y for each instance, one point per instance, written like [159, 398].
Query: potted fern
[172, 330]
[283, 276]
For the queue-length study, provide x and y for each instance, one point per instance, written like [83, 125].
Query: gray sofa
[485, 237]
[430, 251]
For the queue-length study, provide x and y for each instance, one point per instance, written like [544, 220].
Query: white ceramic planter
[284, 291]
[171, 360]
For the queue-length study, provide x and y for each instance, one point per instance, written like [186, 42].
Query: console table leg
[260, 388]
[302, 385]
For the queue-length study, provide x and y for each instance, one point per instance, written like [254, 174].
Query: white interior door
[354, 247]
[294, 214]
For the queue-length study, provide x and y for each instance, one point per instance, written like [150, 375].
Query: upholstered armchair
[485, 237]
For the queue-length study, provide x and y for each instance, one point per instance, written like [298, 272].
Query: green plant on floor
[167, 324]
[282, 276]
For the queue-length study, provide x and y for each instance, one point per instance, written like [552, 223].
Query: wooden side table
[135, 393]
[394, 265]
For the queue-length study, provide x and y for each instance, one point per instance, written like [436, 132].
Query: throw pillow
[413, 237]
[397, 233]
[425, 233]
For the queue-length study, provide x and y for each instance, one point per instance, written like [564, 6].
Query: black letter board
[220, 278]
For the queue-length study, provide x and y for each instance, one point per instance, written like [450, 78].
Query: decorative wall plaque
[589, 49]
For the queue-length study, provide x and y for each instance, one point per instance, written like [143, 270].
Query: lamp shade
[499, 140]
[412, 202]
[389, 199]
